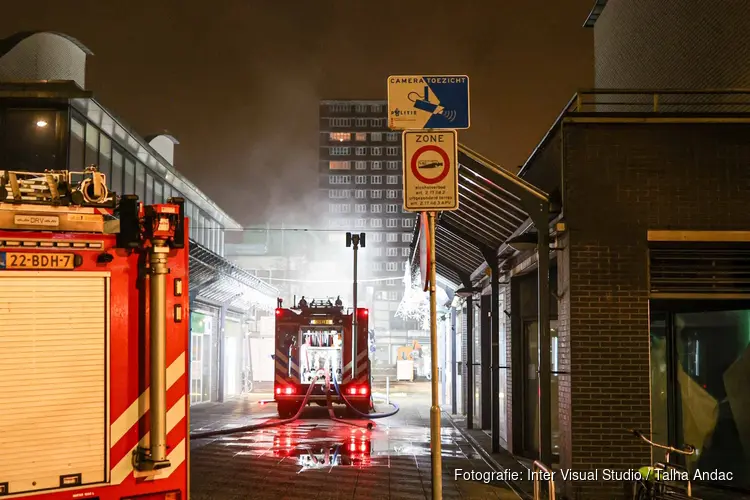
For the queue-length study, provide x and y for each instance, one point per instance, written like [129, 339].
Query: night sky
[238, 81]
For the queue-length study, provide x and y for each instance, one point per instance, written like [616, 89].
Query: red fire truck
[94, 341]
[315, 338]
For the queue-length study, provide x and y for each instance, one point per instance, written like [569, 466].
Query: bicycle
[655, 482]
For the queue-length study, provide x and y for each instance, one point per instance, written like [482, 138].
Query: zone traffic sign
[428, 102]
[430, 170]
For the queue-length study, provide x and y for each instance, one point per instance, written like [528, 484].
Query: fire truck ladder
[56, 187]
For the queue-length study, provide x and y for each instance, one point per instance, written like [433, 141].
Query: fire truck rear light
[278, 390]
[278, 312]
[352, 390]
[352, 447]
[363, 391]
[363, 447]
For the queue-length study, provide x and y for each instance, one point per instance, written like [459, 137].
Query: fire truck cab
[315, 338]
[94, 341]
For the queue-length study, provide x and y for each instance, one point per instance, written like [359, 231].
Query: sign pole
[437, 461]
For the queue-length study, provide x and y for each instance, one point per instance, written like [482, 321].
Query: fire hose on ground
[332, 415]
[355, 410]
[261, 425]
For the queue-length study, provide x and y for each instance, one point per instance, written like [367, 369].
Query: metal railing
[536, 468]
[660, 101]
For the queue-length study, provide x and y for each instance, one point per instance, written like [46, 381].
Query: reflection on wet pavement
[318, 458]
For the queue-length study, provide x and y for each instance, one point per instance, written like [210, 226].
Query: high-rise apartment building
[360, 181]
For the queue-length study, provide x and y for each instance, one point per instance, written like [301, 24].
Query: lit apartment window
[339, 193]
[392, 266]
[377, 266]
[377, 252]
[360, 179]
[392, 252]
[361, 165]
[392, 179]
[376, 136]
[376, 151]
[339, 151]
[338, 165]
[360, 209]
[360, 151]
[391, 194]
[403, 266]
[361, 136]
[391, 136]
[376, 209]
[391, 237]
[377, 165]
[407, 223]
[339, 208]
[376, 194]
[361, 122]
[360, 108]
[341, 122]
[339, 107]
[391, 209]
[393, 295]
[391, 223]
[377, 122]
[360, 194]
[340, 179]
[360, 223]
[390, 282]
[406, 238]
[377, 237]
[376, 108]
[377, 179]
[391, 151]
[376, 223]
[405, 251]
[393, 165]
[340, 136]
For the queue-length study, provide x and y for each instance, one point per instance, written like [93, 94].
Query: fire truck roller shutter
[53, 375]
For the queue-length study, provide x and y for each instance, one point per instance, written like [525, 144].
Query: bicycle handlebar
[688, 449]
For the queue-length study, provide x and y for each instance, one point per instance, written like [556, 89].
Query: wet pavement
[317, 458]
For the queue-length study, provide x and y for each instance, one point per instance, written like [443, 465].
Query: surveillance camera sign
[428, 102]
[430, 170]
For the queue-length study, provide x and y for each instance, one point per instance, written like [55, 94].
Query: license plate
[18, 260]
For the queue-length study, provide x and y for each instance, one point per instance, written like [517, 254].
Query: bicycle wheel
[641, 491]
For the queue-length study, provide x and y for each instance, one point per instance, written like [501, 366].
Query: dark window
[76, 145]
[140, 181]
[158, 192]
[149, 199]
[92, 145]
[105, 155]
[29, 139]
[129, 186]
[117, 171]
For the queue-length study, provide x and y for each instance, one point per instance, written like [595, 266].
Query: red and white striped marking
[123, 466]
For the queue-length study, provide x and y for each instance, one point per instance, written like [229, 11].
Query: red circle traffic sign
[415, 169]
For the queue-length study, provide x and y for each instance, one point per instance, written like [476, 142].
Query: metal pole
[495, 356]
[545, 428]
[387, 390]
[437, 462]
[355, 244]
[158, 347]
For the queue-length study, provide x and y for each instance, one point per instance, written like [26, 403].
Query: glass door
[699, 387]
[531, 390]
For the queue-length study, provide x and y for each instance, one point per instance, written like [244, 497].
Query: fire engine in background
[94, 337]
[315, 338]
